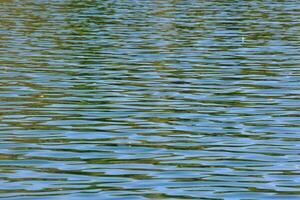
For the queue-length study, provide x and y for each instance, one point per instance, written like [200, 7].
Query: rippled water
[149, 99]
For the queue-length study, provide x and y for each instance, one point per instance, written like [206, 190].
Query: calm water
[149, 99]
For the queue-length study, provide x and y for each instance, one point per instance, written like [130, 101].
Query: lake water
[149, 99]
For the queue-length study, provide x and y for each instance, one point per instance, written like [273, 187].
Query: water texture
[149, 99]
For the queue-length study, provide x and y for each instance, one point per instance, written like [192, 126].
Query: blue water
[149, 99]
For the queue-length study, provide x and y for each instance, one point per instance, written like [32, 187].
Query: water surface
[149, 99]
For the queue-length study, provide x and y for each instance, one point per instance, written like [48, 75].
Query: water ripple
[149, 99]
